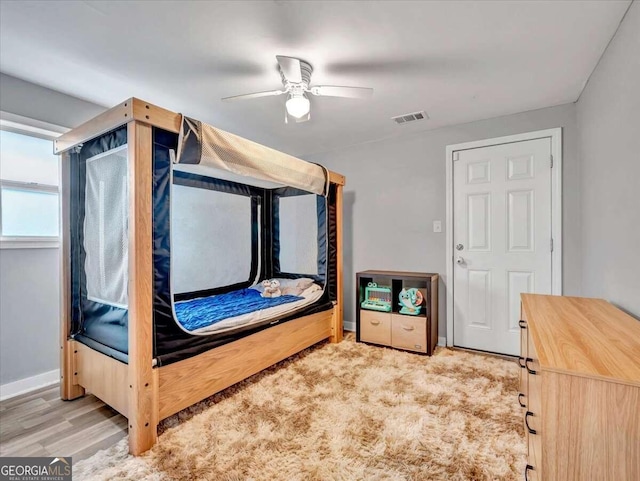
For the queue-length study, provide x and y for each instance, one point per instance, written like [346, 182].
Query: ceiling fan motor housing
[305, 72]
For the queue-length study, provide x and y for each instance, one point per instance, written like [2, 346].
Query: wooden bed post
[337, 329]
[69, 389]
[143, 381]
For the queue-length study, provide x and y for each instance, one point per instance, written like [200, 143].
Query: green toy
[411, 301]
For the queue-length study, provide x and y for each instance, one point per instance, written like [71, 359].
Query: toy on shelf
[411, 301]
[377, 298]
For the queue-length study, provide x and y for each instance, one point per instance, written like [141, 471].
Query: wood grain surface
[584, 337]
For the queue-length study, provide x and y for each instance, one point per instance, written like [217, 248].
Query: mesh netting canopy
[228, 216]
[205, 145]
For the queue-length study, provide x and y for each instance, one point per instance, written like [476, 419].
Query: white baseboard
[22, 386]
[442, 341]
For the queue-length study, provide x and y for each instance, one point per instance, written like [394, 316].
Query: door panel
[520, 216]
[479, 225]
[479, 296]
[502, 225]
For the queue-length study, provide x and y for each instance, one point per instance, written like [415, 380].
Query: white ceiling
[459, 61]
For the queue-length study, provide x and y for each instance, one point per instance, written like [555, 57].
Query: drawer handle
[526, 471]
[526, 422]
[520, 361]
[522, 323]
[520, 396]
[408, 328]
[375, 323]
[531, 371]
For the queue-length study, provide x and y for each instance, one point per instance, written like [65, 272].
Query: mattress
[112, 339]
[226, 312]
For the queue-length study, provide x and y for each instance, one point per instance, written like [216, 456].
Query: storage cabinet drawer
[408, 332]
[375, 327]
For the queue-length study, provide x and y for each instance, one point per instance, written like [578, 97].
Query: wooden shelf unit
[579, 389]
[402, 331]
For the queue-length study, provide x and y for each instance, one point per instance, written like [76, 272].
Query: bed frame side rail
[187, 382]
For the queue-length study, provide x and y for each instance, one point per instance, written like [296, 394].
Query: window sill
[29, 243]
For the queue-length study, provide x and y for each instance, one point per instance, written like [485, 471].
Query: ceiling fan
[296, 77]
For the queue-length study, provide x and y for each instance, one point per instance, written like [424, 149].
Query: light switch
[437, 226]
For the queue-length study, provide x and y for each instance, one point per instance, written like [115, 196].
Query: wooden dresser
[580, 389]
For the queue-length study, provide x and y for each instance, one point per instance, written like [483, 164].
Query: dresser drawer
[375, 327]
[532, 473]
[534, 442]
[533, 381]
[533, 419]
[523, 395]
[409, 332]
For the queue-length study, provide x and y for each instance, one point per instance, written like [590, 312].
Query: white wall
[29, 278]
[29, 290]
[396, 189]
[608, 115]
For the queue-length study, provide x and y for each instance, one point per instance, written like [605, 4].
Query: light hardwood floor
[40, 424]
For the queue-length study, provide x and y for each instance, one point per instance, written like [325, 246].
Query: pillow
[296, 285]
[302, 283]
[291, 291]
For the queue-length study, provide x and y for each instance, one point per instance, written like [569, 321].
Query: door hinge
[551, 159]
[551, 244]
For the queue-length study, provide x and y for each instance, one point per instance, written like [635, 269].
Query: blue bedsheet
[205, 311]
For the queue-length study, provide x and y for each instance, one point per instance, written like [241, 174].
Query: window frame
[32, 128]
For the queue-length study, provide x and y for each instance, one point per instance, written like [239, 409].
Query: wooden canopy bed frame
[140, 390]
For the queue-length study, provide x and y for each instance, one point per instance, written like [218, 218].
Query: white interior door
[501, 238]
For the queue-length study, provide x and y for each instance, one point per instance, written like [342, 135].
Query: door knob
[459, 260]
[459, 247]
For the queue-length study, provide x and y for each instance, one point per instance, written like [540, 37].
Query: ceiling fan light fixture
[295, 74]
[298, 106]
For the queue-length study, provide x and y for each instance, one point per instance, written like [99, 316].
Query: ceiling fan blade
[290, 68]
[254, 95]
[337, 91]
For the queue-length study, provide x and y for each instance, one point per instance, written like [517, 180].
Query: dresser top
[584, 337]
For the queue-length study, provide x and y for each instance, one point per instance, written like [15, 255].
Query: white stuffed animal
[271, 288]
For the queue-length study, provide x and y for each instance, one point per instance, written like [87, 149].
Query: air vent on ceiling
[412, 117]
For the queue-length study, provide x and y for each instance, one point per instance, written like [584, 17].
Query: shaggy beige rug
[343, 411]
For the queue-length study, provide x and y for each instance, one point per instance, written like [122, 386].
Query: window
[29, 192]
